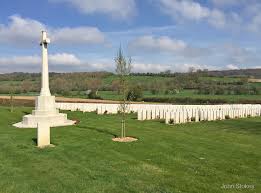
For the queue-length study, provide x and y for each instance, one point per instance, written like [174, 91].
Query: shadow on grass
[244, 125]
[98, 130]
[25, 113]
[34, 140]
[162, 121]
[250, 126]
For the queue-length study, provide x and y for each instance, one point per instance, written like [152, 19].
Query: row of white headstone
[196, 113]
[97, 107]
[172, 114]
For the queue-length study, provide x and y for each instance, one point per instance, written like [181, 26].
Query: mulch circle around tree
[76, 121]
[124, 139]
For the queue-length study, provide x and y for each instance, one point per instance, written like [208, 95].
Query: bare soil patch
[124, 139]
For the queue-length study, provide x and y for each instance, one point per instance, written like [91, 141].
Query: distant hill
[250, 73]
[255, 73]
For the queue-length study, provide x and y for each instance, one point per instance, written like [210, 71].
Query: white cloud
[54, 59]
[58, 62]
[240, 55]
[194, 11]
[79, 35]
[20, 60]
[232, 67]
[24, 31]
[228, 2]
[163, 43]
[255, 24]
[21, 31]
[64, 59]
[217, 19]
[178, 67]
[143, 67]
[186, 66]
[186, 9]
[119, 9]
[167, 45]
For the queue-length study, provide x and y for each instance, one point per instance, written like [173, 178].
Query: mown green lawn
[227, 79]
[191, 158]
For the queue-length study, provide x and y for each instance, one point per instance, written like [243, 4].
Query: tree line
[90, 83]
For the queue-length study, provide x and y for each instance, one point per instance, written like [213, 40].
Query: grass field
[110, 95]
[113, 95]
[185, 96]
[191, 158]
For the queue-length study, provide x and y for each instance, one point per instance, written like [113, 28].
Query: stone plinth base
[45, 112]
[31, 121]
[43, 134]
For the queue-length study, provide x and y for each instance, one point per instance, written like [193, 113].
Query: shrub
[65, 93]
[171, 121]
[166, 92]
[135, 93]
[93, 95]
[175, 91]
[193, 119]
[154, 91]
[227, 117]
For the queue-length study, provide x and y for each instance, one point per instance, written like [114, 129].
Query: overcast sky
[158, 34]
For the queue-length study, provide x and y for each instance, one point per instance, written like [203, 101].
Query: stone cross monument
[45, 110]
[45, 91]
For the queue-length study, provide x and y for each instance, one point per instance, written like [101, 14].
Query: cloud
[183, 56]
[247, 17]
[186, 9]
[21, 31]
[178, 67]
[20, 60]
[239, 55]
[228, 2]
[24, 31]
[232, 67]
[24, 62]
[119, 9]
[143, 67]
[191, 10]
[186, 66]
[58, 62]
[65, 59]
[79, 35]
[255, 23]
[217, 19]
[67, 62]
[165, 44]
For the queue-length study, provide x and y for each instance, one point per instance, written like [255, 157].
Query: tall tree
[123, 69]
